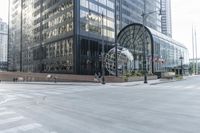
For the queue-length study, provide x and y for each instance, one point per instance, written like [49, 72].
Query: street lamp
[116, 58]
[144, 48]
[103, 51]
[144, 16]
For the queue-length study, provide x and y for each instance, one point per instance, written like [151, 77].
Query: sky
[4, 10]
[185, 13]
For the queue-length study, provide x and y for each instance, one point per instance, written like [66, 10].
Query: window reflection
[62, 50]
[91, 15]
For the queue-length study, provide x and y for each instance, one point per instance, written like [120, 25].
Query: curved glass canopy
[150, 50]
[133, 37]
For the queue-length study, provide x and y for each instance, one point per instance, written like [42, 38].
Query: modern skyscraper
[66, 36]
[61, 36]
[14, 44]
[3, 45]
[166, 24]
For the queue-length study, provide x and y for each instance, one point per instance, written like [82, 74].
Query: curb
[52, 83]
[164, 82]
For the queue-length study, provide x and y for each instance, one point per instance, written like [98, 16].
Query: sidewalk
[135, 83]
[149, 82]
[54, 83]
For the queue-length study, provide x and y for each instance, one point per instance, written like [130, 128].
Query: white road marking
[2, 109]
[8, 98]
[7, 113]
[54, 93]
[24, 96]
[10, 120]
[190, 87]
[38, 94]
[23, 128]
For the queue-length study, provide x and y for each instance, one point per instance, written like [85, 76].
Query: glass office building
[166, 24]
[14, 33]
[59, 36]
[3, 45]
[66, 36]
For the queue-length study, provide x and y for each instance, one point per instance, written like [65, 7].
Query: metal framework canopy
[133, 37]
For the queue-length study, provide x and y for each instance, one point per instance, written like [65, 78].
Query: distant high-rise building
[166, 24]
[3, 45]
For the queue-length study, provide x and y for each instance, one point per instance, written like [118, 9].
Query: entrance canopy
[159, 52]
[133, 37]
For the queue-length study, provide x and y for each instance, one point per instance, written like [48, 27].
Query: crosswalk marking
[38, 94]
[10, 120]
[24, 96]
[2, 109]
[23, 128]
[190, 87]
[7, 113]
[55, 93]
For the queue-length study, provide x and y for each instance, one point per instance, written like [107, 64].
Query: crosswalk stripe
[53, 93]
[2, 109]
[24, 96]
[7, 113]
[10, 120]
[190, 87]
[23, 128]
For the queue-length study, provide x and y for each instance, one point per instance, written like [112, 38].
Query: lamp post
[116, 58]
[102, 52]
[144, 48]
[144, 16]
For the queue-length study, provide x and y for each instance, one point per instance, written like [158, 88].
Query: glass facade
[97, 23]
[166, 24]
[14, 51]
[42, 36]
[168, 53]
[69, 36]
[130, 11]
[132, 38]
[91, 12]
[3, 45]
[162, 53]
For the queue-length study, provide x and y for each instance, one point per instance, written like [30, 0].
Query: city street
[172, 107]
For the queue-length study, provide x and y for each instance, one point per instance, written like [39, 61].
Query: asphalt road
[87, 108]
